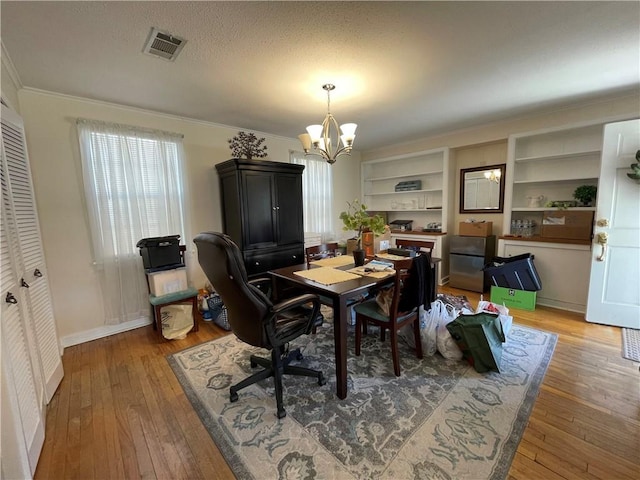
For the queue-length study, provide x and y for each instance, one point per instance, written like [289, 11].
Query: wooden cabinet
[31, 353]
[262, 211]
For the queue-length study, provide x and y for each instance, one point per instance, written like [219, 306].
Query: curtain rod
[124, 126]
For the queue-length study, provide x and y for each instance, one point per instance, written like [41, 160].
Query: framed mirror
[482, 189]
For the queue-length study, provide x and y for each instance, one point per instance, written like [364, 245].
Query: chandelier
[493, 175]
[326, 139]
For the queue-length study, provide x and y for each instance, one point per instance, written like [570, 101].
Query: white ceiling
[402, 70]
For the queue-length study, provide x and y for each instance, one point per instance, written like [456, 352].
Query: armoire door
[289, 209]
[259, 210]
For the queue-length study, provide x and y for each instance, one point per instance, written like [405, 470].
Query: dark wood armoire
[262, 211]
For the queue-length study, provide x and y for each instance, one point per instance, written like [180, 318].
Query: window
[133, 182]
[317, 195]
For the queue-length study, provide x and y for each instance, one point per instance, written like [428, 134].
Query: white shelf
[544, 209]
[411, 175]
[402, 192]
[575, 179]
[558, 156]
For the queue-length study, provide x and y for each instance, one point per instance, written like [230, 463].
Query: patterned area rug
[631, 344]
[438, 420]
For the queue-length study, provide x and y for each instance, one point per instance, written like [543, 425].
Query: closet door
[31, 269]
[22, 387]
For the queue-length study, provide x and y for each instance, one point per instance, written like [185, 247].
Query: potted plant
[356, 219]
[585, 194]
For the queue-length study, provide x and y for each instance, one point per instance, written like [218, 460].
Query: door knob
[602, 222]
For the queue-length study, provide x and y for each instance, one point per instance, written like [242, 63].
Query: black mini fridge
[467, 258]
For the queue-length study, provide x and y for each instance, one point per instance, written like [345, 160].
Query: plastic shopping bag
[501, 310]
[446, 345]
[480, 338]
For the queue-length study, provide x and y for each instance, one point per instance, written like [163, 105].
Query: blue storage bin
[516, 272]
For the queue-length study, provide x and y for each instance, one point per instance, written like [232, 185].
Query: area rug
[439, 420]
[631, 344]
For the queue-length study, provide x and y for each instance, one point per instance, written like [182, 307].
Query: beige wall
[478, 156]
[55, 163]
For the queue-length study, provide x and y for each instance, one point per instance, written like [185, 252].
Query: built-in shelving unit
[551, 164]
[431, 203]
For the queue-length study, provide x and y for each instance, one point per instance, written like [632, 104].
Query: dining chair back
[369, 313]
[318, 252]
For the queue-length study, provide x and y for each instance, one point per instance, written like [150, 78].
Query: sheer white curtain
[317, 195]
[133, 181]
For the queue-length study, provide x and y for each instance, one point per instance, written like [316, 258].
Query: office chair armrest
[298, 301]
[263, 284]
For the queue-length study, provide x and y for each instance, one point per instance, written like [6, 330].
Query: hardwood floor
[120, 412]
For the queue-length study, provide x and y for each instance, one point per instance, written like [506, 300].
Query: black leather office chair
[253, 318]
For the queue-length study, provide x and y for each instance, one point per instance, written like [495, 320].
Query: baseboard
[101, 332]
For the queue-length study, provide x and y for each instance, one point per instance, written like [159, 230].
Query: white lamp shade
[305, 140]
[315, 132]
[349, 130]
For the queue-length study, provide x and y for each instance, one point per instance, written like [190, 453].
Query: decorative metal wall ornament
[326, 139]
[247, 145]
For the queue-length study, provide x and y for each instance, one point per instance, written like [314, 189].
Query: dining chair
[421, 246]
[418, 245]
[318, 252]
[400, 314]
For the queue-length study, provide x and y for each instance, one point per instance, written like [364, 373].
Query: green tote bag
[480, 338]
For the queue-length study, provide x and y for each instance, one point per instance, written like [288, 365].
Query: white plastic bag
[501, 310]
[177, 321]
[428, 326]
[446, 345]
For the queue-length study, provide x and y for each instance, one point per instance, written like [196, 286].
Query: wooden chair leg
[416, 334]
[360, 325]
[395, 355]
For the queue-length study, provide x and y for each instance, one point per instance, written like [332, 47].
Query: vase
[358, 257]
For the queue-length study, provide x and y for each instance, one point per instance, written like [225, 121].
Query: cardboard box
[476, 229]
[512, 298]
[567, 224]
[167, 281]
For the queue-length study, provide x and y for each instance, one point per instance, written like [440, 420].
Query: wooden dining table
[339, 293]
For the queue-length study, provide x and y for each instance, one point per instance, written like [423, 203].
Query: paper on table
[363, 272]
[326, 275]
[339, 261]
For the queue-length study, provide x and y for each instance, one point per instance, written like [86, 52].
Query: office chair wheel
[233, 396]
[321, 379]
[281, 413]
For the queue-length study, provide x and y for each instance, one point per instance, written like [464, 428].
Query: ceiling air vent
[163, 44]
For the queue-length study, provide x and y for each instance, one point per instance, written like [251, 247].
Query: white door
[614, 287]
